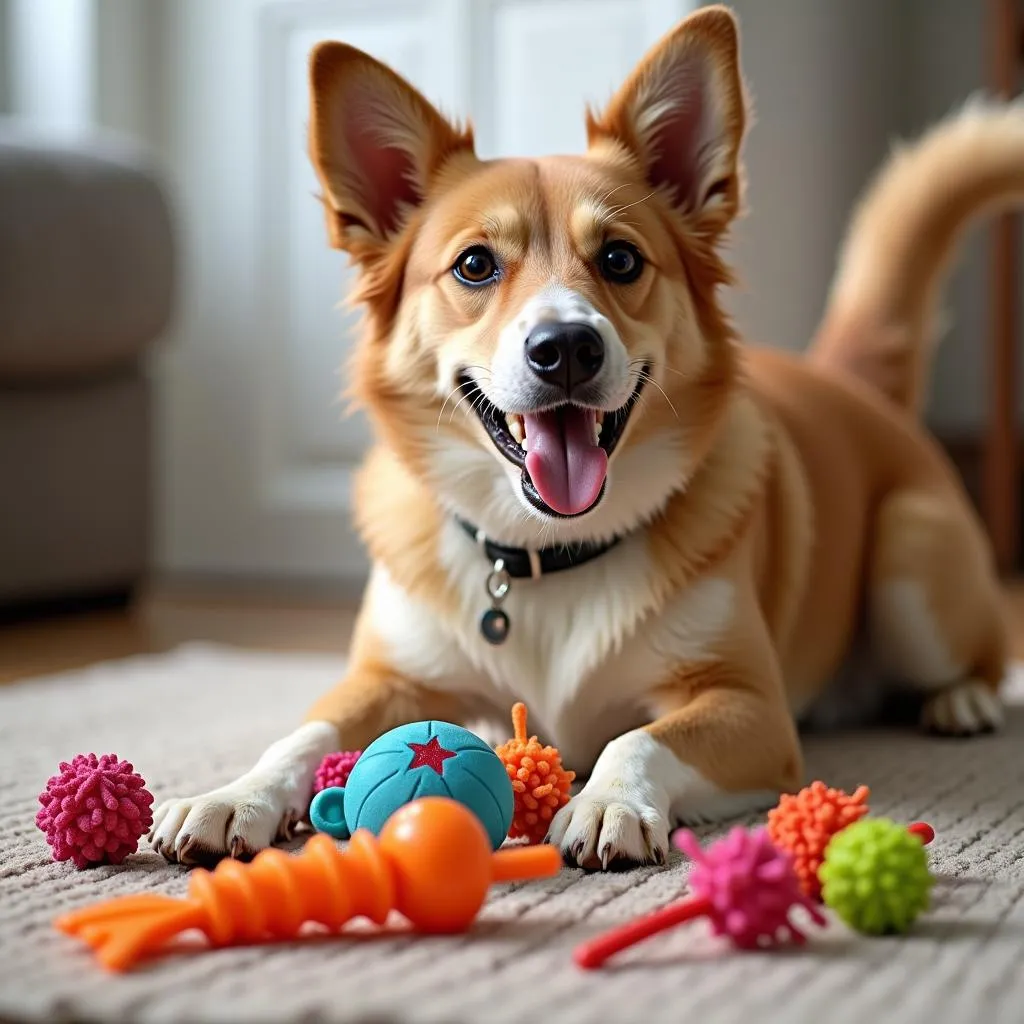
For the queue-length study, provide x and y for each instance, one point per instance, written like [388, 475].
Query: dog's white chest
[584, 645]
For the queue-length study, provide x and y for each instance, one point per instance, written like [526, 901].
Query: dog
[586, 494]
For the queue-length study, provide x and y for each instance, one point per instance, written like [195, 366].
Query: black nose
[565, 355]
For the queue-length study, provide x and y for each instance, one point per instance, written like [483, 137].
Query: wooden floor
[165, 618]
[168, 617]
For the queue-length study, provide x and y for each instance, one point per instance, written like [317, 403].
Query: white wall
[69, 65]
[825, 84]
[50, 53]
[129, 87]
[945, 62]
[5, 67]
[833, 83]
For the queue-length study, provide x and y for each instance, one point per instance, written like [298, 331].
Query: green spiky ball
[875, 876]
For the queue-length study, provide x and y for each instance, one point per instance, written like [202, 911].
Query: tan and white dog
[692, 534]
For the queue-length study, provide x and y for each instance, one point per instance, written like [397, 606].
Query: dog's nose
[565, 355]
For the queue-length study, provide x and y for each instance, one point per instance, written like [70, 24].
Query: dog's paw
[602, 832]
[237, 821]
[964, 709]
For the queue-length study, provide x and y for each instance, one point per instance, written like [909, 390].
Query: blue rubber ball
[416, 760]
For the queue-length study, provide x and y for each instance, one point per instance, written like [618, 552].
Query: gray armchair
[86, 286]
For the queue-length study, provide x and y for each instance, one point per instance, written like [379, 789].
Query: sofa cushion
[76, 466]
[86, 255]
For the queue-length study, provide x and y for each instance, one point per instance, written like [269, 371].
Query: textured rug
[196, 717]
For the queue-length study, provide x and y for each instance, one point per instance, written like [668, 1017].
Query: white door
[256, 455]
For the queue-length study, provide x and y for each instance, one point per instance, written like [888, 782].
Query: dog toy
[539, 782]
[335, 769]
[742, 884]
[95, 810]
[432, 862]
[804, 823]
[416, 760]
[875, 876]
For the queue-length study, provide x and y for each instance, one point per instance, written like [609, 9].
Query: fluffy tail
[883, 313]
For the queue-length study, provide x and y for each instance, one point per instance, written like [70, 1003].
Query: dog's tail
[883, 314]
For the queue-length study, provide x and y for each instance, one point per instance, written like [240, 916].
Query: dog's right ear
[375, 143]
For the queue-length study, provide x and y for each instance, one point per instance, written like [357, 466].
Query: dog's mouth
[563, 451]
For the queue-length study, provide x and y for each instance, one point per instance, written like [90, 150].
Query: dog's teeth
[597, 433]
[515, 427]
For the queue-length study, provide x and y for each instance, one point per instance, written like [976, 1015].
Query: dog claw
[183, 849]
[239, 849]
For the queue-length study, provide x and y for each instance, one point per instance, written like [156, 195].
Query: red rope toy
[742, 883]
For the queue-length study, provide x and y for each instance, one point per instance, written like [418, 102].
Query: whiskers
[472, 407]
[644, 375]
[466, 384]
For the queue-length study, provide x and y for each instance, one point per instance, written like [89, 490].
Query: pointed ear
[375, 143]
[682, 115]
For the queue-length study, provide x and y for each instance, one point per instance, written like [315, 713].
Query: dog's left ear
[682, 115]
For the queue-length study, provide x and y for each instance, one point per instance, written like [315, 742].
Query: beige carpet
[177, 718]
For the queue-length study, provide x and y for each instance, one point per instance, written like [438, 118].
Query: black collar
[522, 563]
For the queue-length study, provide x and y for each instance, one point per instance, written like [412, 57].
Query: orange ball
[441, 859]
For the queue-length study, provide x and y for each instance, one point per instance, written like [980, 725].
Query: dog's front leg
[721, 743]
[248, 814]
[242, 817]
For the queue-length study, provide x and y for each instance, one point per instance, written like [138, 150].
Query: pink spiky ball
[95, 810]
[747, 886]
[335, 769]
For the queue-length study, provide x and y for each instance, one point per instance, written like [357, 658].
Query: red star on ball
[429, 755]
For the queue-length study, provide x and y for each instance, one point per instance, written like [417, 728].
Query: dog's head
[544, 344]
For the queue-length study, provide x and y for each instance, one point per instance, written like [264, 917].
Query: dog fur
[771, 509]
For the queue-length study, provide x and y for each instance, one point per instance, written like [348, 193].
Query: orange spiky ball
[539, 782]
[803, 823]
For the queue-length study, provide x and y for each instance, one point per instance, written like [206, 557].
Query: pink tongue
[566, 467]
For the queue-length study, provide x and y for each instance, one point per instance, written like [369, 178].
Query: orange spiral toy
[540, 785]
[432, 862]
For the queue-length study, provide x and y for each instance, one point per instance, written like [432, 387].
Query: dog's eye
[476, 266]
[620, 262]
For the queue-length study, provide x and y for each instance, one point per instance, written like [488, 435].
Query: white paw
[242, 818]
[638, 786]
[964, 709]
[602, 830]
[237, 820]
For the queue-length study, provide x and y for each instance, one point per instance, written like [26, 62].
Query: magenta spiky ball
[749, 885]
[335, 769]
[95, 810]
